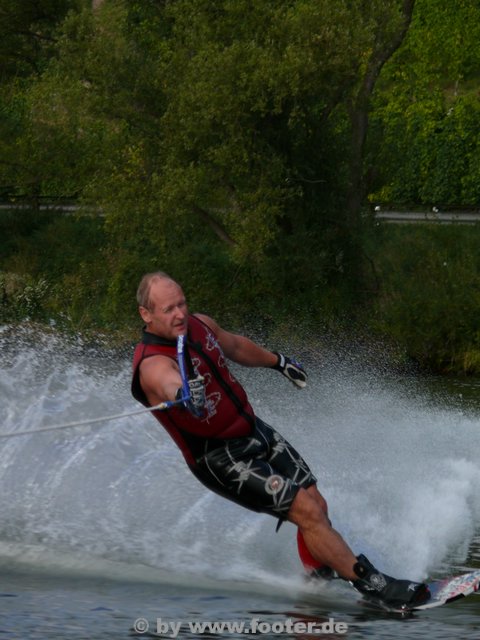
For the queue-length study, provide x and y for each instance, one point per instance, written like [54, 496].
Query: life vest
[228, 413]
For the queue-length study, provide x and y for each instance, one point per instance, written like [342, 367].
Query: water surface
[104, 525]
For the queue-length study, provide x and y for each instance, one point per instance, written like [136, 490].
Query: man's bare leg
[326, 545]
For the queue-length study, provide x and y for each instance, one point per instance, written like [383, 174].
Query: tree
[234, 129]
[29, 38]
[390, 23]
[213, 117]
[28, 34]
[425, 109]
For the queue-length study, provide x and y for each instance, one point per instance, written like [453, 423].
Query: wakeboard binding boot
[394, 593]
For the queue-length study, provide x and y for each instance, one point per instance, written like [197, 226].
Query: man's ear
[145, 313]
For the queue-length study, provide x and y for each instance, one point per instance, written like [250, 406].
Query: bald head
[162, 305]
[144, 288]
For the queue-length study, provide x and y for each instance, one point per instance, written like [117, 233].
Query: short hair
[143, 291]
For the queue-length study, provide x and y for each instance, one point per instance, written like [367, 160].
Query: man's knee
[316, 495]
[307, 510]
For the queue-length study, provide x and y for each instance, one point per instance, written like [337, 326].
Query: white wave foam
[400, 473]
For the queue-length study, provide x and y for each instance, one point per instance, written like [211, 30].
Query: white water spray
[399, 472]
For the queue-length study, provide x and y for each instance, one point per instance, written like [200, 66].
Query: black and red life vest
[228, 412]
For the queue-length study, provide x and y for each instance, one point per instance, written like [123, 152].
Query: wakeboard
[442, 592]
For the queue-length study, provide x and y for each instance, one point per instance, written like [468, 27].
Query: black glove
[196, 388]
[291, 369]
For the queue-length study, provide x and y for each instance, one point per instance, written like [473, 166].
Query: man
[227, 447]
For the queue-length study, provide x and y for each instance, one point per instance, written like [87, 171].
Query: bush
[430, 295]
[22, 297]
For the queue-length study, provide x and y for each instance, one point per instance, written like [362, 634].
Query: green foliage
[28, 42]
[66, 281]
[218, 141]
[431, 293]
[226, 114]
[22, 297]
[440, 148]
[426, 140]
[28, 34]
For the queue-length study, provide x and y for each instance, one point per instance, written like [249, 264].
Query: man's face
[168, 312]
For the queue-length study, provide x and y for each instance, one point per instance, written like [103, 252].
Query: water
[104, 526]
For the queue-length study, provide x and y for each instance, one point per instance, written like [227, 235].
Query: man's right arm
[160, 378]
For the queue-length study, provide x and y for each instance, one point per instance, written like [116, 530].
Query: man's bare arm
[160, 378]
[238, 348]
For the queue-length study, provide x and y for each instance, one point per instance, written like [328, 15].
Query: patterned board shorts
[261, 472]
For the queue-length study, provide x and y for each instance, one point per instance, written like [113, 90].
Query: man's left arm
[244, 351]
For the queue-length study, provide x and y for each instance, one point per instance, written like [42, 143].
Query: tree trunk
[384, 48]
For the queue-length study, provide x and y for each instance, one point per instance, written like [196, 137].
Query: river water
[105, 534]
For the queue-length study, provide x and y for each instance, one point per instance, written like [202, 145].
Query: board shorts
[261, 472]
